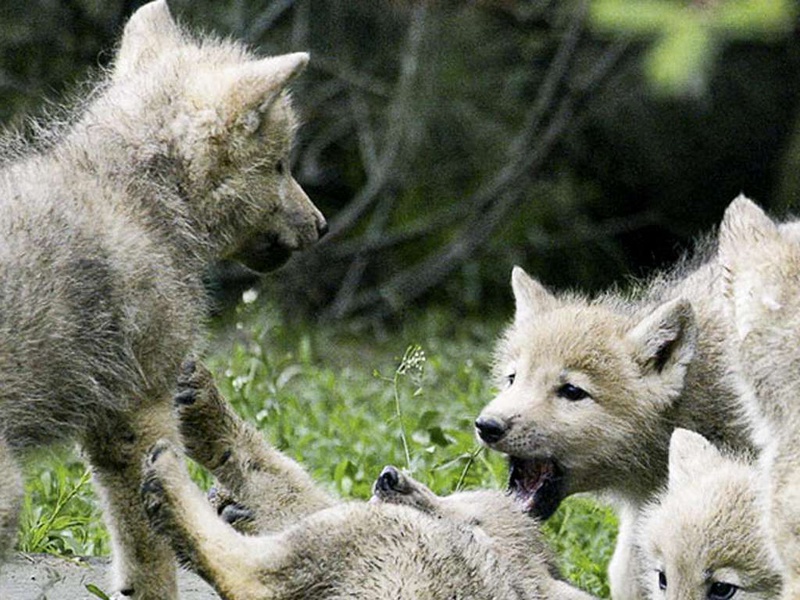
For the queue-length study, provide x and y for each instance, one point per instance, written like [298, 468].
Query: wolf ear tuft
[530, 297]
[150, 31]
[743, 224]
[747, 236]
[690, 455]
[254, 86]
[664, 341]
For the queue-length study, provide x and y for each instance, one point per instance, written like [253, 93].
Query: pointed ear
[743, 226]
[150, 31]
[254, 86]
[665, 338]
[530, 297]
[690, 455]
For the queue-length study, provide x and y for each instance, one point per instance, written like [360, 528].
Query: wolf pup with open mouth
[592, 388]
[107, 223]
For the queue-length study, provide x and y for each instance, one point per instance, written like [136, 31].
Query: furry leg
[229, 561]
[10, 498]
[624, 570]
[143, 562]
[275, 488]
[784, 517]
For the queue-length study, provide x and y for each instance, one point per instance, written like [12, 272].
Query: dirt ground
[44, 577]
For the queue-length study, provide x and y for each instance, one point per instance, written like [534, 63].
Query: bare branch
[407, 285]
[367, 83]
[396, 120]
[266, 19]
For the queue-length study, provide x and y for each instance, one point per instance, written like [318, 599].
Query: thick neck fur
[122, 150]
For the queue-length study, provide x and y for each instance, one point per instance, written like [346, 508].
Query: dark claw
[186, 397]
[151, 485]
[236, 513]
[388, 479]
[156, 451]
[188, 368]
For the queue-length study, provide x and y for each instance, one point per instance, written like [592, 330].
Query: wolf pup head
[583, 388]
[216, 122]
[702, 538]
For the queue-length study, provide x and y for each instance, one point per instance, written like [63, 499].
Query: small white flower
[413, 360]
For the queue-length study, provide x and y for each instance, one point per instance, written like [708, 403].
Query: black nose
[322, 228]
[490, 430]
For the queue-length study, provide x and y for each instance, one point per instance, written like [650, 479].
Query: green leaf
[678, 62]
[642, 18]
[756, 19]
[97, 591]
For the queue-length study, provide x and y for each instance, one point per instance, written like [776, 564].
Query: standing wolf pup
[591, 390]
[762, 259]
[178, 158]
[407, 543]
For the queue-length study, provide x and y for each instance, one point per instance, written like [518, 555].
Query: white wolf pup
[591, 390]
[107, 222]
[702, 538]
[763, 262]
[406, 543]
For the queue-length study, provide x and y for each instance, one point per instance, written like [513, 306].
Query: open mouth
[263, 254]
[539, 484]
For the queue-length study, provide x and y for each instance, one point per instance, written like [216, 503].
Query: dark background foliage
[448, 141]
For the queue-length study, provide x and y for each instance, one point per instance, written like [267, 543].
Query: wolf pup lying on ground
[591, 390]
[702, 538]
[407, 543]
[762, 259]
[106, 225]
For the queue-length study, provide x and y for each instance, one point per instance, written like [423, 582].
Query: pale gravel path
[43, 577]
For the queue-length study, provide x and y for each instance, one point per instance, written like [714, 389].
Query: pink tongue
[528, 479]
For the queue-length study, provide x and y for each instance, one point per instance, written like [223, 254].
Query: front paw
[153, 490]
[207, 423]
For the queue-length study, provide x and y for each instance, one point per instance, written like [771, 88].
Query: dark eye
[280, 168]
[662, 580]
[572, 392]
[721, 591]
[510, 379]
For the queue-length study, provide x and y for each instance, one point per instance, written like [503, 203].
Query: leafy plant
[60, 513]
[687, 35]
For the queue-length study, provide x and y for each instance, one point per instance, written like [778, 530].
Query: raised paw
[166, 493]
[395, 487]
[207, 422]
[152, 490]
[160, 459]
[391, 483]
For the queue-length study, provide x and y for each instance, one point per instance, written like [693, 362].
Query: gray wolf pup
[178, 158]
[591, 390]
[702, 538]
[762, 259]
[405, 543]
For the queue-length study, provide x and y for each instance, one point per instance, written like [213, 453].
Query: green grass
[345, 401]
